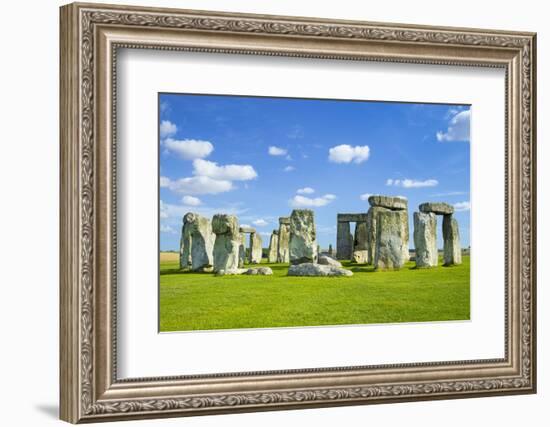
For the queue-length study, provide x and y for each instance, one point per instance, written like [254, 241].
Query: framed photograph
[266, 212]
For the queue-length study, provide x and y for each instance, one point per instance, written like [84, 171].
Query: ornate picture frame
[90, 37]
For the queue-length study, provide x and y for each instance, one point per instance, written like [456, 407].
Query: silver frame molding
[90, 37]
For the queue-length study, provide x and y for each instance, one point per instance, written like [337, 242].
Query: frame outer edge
[69, 355]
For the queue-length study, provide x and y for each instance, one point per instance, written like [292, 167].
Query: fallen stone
[438, 208]
[389, 202]
[361, 257]
[303, 244]
[260, 271]
[326, 260]
[452, 251]
[232, 272]
[310, 269]
[425, 239]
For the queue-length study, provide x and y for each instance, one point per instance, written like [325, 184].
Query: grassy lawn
[199, 301]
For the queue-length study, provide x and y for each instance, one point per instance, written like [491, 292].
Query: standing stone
[360, 243]
[202, 241]
[303, 243]
[425, 239]
[185, 242]
[344, 241]
[372, 219]
[405, 225]
[227, 243]
[283, 254]
[452, 252]
[242, 250]
[255, 248]
[330, 252]
[390, 240]
[273, 245]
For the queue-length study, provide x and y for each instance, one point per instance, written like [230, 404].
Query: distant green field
[200, 301]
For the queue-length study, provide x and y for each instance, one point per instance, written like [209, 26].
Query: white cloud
[365, 196]
[412, 183]
[450, 193]
[308, 202]
[189, 149]
[245, 226]
[227, 172]
[265, 233]
[462, 206]
[167, 229]
[305, 190]
[346, 153]
[173, 214]
[191, 201]
[260, 222]
[289, 168]
[276, 151]
[459, 128]
[167, 128]
[197, 185]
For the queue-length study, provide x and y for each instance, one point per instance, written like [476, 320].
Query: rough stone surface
[361, 257]
[391, 239]
[425, 239]
[372, 219]
[283, 254]
[303, 238]
[185, 242]
[247, 229]
[344, 241]
[389, 202]
[310, 269]
[227, 243]
[202, 241]
[452, 251]
[233, 272]
[255, 248]
[438, 208]
[242, 251]
[260, 271]
[273, 245]
[330, 251]
[326, 260]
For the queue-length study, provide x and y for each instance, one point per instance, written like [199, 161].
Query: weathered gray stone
[310, 269]
[185, 242]
[372, 219]
[344, 241]
[425, 239]
[389, 202]
[326, 260]
[260, 271]
[283, 254]
[303, 238]
[233, 272]
[351, 217]
[361, 257]
[330, 251]
[255, 248]
[202, 241]
[452, 251]
[242, 251]
[360, 243]
[227, 243]
[247, 229]
[273, 245]
[391, 238]
[438, 208]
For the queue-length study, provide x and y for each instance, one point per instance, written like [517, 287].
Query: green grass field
[201, 301]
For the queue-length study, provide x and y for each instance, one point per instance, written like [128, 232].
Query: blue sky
[258, 158]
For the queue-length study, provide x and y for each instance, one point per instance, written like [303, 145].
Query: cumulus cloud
[412, 183]
[462, 206]
[167, 128]
[260, 222]
[197, 185]
[299, 201]
[365, 196]
[346, 153]
[449, 193]
[277, 151]
[191, 201]
[305, 190]
[459, 128]
[289, 168]
[189, 149]
[167, 229]
[227, 172]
